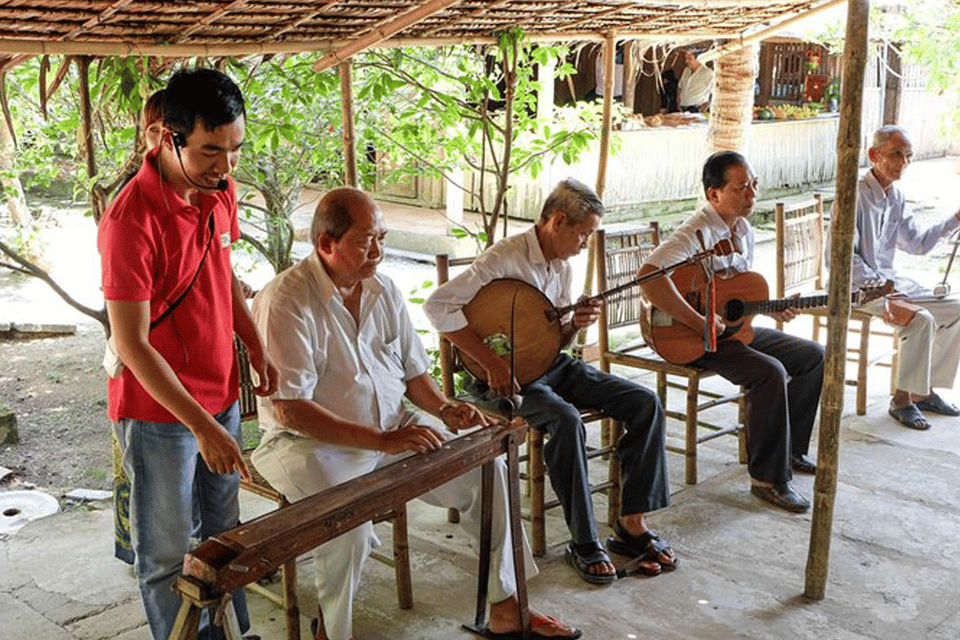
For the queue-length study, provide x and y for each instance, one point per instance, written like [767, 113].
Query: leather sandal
[910, 417]
[935, 404]
[584, 556]
[647, 545]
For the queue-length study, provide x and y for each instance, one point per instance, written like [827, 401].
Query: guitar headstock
[872, 291]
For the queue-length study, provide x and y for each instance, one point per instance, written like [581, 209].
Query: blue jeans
[167, 477]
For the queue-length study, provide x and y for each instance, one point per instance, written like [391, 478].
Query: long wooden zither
[237, 557]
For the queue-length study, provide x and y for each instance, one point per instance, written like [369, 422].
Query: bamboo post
[609, 59]
[629, 76]
[841, 238]
[383, 31]
[349, 144]
[609, 51]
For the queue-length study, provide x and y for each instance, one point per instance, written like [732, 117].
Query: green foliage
[293, 137]
[440, 109]
[50, 143]
[927, 33]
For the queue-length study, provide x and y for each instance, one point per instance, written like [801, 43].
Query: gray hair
[332, 215]
[887, 131]
[575, 199]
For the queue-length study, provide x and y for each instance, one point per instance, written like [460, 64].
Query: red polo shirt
[151, 242]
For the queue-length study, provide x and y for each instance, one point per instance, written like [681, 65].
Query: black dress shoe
[781, 495]
[802, 464]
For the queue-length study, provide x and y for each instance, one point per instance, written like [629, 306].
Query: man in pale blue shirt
[883, 226]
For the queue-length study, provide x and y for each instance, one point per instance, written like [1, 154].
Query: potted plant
[831, 94]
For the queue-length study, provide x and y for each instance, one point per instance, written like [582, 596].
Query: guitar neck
[768, 306]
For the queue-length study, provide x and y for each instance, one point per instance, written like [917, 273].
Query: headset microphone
[180, 140]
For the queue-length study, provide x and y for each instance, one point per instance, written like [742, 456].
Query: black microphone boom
[179, 140]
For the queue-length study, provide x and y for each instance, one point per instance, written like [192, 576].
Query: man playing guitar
[552, 402]
[780, 374]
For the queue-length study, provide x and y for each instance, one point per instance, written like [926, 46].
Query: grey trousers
[781, 376]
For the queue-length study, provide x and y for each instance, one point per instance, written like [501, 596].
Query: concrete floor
[894, 557]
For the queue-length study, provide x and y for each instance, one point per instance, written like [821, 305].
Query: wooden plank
[242, 555]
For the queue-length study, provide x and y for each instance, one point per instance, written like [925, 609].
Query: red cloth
[710, 328]
[151, 242]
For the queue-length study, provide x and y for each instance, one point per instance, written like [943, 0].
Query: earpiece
[180, 140]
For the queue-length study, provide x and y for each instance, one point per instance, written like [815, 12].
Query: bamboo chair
[535, 474]
[287, 599]
[800, 269]
[619, 256]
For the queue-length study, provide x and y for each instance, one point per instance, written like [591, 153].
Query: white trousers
[929, 345]
[300, 467]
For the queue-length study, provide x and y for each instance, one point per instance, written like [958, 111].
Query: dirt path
[57, 391]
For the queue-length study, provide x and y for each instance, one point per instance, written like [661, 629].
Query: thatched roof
[239, 27]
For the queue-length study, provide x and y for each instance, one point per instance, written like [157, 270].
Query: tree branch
[29, 268]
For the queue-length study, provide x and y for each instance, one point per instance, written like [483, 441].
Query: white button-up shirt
[357, 371]
[695, 87]
[883, 226]
[519, 257]
[683, 242]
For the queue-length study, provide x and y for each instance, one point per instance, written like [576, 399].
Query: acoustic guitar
[739, 297]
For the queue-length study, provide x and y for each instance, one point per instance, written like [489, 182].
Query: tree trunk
[15, 210]
[511, 61]
[841, 253]
[731, 110]
[349, 144]
[97, 197]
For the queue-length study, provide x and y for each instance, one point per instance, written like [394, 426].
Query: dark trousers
[781, 376]
[553, 403]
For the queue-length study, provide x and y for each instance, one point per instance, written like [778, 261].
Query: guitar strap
[710, 304]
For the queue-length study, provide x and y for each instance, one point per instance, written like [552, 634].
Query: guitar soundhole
[733, 311]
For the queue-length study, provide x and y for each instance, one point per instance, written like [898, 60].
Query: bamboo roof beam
[476, 13]
[396, 25]
[600, 14]
[36, 47]
[764, 33]
[299, 21]
[102, 17]
[213, 17]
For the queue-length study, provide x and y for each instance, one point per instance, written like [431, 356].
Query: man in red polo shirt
[174, 305]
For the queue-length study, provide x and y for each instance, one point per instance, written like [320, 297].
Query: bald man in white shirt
[347, 355]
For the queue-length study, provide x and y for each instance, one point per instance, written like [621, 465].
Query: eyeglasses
[753, 184]
[899, 154]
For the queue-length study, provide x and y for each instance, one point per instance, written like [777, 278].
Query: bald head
[337, 210]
